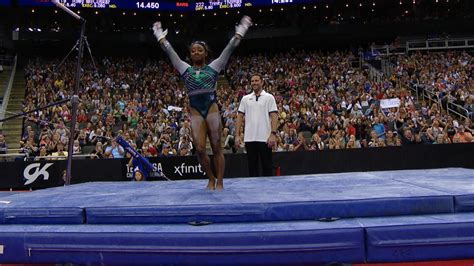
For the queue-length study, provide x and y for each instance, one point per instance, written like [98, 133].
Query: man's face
[256, 83]
[408, 134]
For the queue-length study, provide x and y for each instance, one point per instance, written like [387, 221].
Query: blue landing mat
[245, 244]
[4, 194]
[419, 238]
[243, 200]
[455, 181]
[387, 239]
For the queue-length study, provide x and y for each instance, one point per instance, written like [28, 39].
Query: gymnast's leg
[199, 129]
[214, 131]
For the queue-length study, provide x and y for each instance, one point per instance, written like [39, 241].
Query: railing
[375, 74]
[13, 156]
[433, 97]
[439, 44]
[387, 67]
[458, 109]
[7, 60]
[25, 157]
[421, 90]
[50, 157]
[387, 50]
[6, 96]
[415, 88]
[423, 45]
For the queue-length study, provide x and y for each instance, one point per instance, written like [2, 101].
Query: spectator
[461, 136]
[3, 145]
[60, 154]
[114, 150]
[167, 150]
[98, 152]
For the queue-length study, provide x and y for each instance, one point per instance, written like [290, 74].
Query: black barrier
[41, 174]
[376, 159]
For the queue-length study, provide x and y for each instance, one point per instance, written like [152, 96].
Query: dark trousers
[259, 152]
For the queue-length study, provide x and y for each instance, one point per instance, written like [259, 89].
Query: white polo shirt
[257, 115]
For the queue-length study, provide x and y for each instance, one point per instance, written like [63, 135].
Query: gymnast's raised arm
[160, 35]
[219, 63]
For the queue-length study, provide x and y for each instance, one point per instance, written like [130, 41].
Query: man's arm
[238, 125]
[274, 121]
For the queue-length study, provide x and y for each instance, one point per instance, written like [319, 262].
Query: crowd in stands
[140, 101]
[324, 102]
[449, 75]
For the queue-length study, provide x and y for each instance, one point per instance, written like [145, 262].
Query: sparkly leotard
[201, 83]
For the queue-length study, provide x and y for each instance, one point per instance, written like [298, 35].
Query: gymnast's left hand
[243, 26]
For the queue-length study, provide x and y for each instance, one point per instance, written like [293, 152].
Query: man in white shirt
[261, 121]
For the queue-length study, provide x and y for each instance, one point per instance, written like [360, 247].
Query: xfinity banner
[173, 168]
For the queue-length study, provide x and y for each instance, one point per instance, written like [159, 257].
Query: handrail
[387, 67]
[434, 97]
[374, 73]
[440, 44]
[13, 155]
[65, 157]
[387, 50]
[459, 107]
[414, 87]
[6, 97]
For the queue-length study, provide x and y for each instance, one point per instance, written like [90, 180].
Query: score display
[165, 5]
[225, 4]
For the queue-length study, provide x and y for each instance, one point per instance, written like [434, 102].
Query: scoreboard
[165, 5]
[225, 4]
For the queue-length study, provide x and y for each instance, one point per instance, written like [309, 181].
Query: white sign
[390, 103]
[31, 177]
[174, 108]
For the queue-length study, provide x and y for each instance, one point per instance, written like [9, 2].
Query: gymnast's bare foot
[211, 185]
[219, 185]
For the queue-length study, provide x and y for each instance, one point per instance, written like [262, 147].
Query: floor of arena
[372, 217]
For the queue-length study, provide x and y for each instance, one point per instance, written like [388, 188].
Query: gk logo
[30, 178]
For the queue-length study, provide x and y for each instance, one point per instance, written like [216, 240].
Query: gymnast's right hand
[160, 34]
[243, 26]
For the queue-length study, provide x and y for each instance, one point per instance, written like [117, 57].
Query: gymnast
[200, 80]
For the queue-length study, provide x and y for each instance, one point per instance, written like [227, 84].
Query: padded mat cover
[261, 243]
